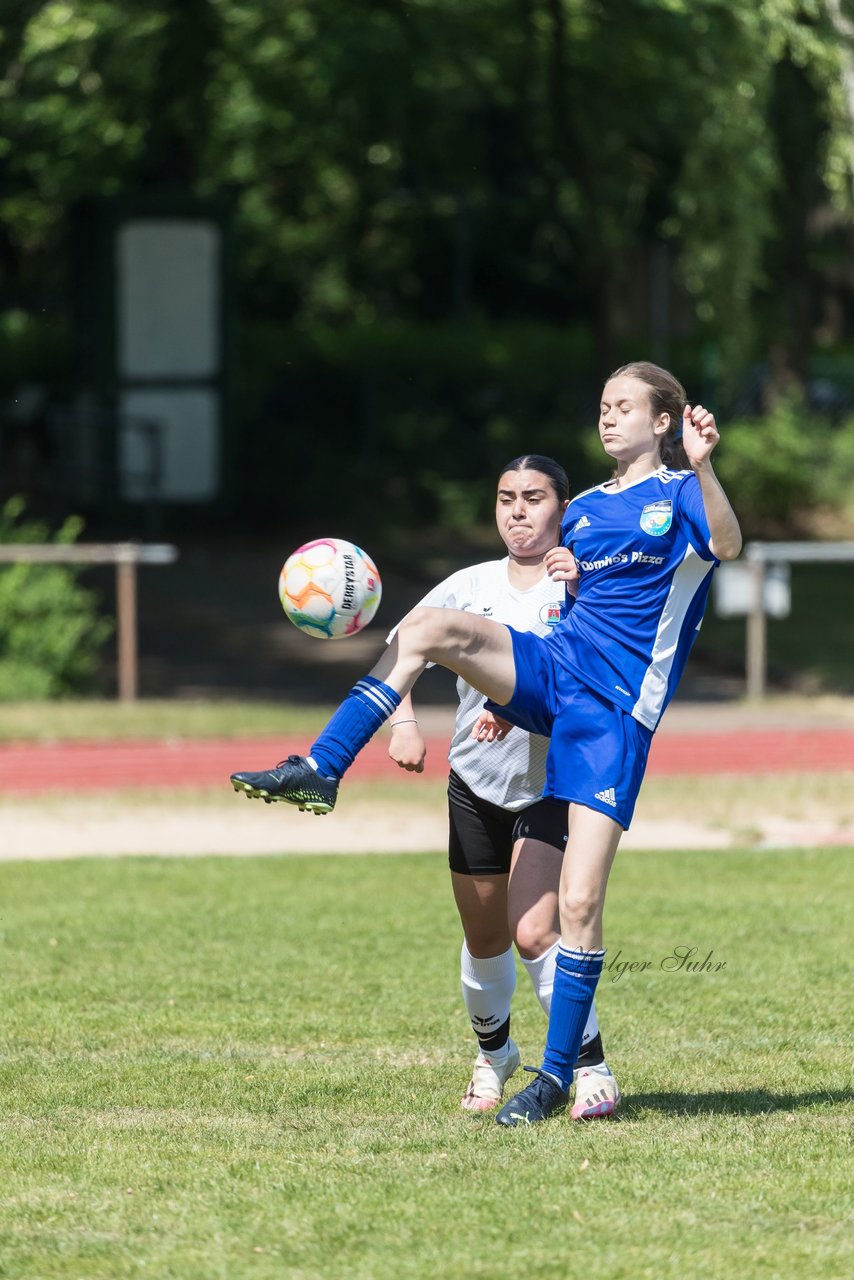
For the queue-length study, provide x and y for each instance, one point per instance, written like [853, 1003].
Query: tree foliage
[50, 628]
[421, 158]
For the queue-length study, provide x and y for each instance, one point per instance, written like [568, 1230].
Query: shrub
[837, 471]
[775, 468]
[50, 627]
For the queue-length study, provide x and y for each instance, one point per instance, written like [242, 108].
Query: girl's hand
[560, 565]
[407, 747]
[699, 434]
[490, 728]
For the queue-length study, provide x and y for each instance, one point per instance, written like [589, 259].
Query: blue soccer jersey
[645, 571]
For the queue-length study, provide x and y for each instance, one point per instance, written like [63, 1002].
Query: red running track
[32, 768]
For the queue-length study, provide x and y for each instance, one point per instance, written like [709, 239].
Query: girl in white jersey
[505, 842]
[646, 543]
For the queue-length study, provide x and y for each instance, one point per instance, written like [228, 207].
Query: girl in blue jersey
[645, 543]
[506, 843]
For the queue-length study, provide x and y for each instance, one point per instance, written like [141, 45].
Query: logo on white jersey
[607, 797]
[657, 517]
[550, 613]
[582, 523]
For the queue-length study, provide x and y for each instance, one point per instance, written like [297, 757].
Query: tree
[385, 159]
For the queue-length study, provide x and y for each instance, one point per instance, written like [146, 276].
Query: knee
[485, 942]
[533, 937]
[420, 628]
[579, 910]
[436, 633]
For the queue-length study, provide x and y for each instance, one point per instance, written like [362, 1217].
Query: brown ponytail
[666, 395]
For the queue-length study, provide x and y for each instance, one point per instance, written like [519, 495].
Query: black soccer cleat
[294, 781]
[540, 1099]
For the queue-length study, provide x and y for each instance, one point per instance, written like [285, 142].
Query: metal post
[756, 633]
[126, 628]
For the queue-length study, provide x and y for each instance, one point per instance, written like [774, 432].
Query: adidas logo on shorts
[607, 796]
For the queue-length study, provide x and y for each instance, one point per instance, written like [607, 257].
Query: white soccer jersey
[509, 773]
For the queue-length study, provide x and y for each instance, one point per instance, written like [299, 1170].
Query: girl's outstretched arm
[699, 438]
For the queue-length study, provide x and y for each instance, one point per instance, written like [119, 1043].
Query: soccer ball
[329, 588]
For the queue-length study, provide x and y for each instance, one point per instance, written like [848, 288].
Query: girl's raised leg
[477, 649]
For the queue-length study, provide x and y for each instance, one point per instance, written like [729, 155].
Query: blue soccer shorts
[597, 753]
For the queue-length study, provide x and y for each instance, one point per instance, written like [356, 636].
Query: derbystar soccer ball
[329, 588]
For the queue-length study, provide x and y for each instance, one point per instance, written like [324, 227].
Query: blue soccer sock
[367, 706]
[576, 976]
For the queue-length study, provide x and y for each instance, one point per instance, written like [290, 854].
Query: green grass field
[251, 1068]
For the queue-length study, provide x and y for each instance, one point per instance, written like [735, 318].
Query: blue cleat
[540, 1099]
[294, 781]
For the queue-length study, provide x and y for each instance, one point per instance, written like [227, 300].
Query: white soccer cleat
[596, 1093]
[488, 1078]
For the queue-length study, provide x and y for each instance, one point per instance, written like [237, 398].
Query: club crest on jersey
[657, 517]
[550, 613]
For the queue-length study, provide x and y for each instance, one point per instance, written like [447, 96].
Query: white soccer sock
[542, 974]
[591, 1027]
[541, 971]
[487, 985]
[599, 1069]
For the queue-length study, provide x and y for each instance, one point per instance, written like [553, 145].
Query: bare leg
[482, 904]
[477, 649]
[587, 862]
[488, 979]
[590, 851]
[534, 921]
[532, 906]
[591, 848]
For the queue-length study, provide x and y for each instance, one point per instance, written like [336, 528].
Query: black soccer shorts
[481, 834]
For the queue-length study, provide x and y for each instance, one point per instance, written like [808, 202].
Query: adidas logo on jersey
[583, 523]
[607, 796]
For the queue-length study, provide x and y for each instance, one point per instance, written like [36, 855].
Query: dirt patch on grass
[409, 817]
